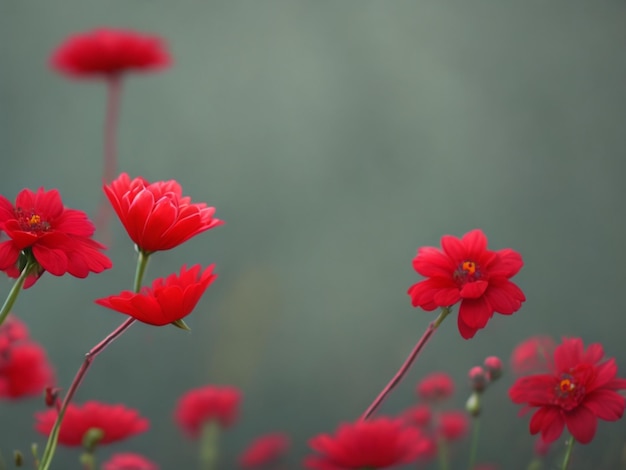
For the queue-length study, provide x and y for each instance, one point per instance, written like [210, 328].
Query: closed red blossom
[168, 300]
[107, 52]
[204, 404]
[129, 461]
[533, 355]
[373, 444]
[466, 271]
[156, 215]
[580, 388]
[24, 370]
[265, 450]
[59, 239]
[117, 422]
[435, 387]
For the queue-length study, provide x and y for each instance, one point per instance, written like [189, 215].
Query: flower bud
[493, 365]
[478, 379]
[473, 405]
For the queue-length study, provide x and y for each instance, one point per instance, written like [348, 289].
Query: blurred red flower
[418, 415]
[452, 425]
[435, 387]
[468, 272]
[58, 238]
[117, 422]
[533, 355]
[106, 52]
[129, 461]
[167, 301]
[156, 215]
[265, 450]
[11, 331]
[373, 444]
[204, 404]
[578, 390]
[24, 370]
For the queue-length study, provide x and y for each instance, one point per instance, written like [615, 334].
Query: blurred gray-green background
[334, 138]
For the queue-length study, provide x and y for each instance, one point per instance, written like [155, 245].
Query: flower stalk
[568, 453]
[15, 291]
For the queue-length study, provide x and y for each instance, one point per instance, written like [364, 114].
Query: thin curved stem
[568, 453]
[474, 447]
[432, 327]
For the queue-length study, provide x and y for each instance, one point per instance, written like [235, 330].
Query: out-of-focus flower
[452, 425]
[478, 378]
[580, 388]
[418, 415]
[204, 404]
[24, 370]
[435, 387]
[493, 366]
[116, 422]
[109, 52]
[129, 461]
[533, 355]
[466, 271]
[156, 215]
[11, 331]
[59, 239]
[378, 443]
[265, 450]
[167, 301]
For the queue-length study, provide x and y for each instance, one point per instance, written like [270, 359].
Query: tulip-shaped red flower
[107, 51]
[156, 215]
[466, 271]
[167, 301]
[580, 388]
[58, 238]
[129, 461]
[204, 404]
[265, 450]
[373, 444]
[116, 422]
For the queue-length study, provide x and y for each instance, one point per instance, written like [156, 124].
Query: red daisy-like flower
[373, 444]
[452, 425]
[435, 387]
[107, 52]
[265, 450]
[466, 271]
[533, 355]
[580, 389]
[204, 404]
[129, 461]
[156, 215]
[24, 370]
[167, 301]
[59, 239]
[117, 422]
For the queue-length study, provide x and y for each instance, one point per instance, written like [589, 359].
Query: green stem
[474, 448]
[53, 438]
[568, 453]
[15, 291]
[209, 445]
[442, 451]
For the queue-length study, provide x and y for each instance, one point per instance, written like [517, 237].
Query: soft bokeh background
[334, 138]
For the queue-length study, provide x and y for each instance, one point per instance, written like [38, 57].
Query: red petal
[475, 313]
[606, 404]
[582, 424]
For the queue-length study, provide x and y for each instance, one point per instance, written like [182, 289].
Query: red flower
[579, 390]
[109, 52]
[58, 238]
[468, 272]
[264, 450]
[418, 415]
[129, 461]
[377, 443]
[156, 215]
[24, 370]
[11, 331]
[167, 301]
[435, 387]
[533, 355]
[115, 421]
[452, 425]
[204, 404]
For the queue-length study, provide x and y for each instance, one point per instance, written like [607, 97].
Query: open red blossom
[167, 301]
[204, 404]
[466, 271]
[435, 387]
[58, 238]
[129, 461]
[373, 444]
[107, 52]
[156, 215]
[579, 389]
[24, 370]
[265, 450]
[533, 355]
[117, 422]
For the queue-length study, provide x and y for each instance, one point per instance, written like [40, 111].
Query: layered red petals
[465, 270]
[167, 300]
[156, 215]
[116, 422]
[204, 404]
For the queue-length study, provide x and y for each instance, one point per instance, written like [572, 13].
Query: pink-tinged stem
[432, 327]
